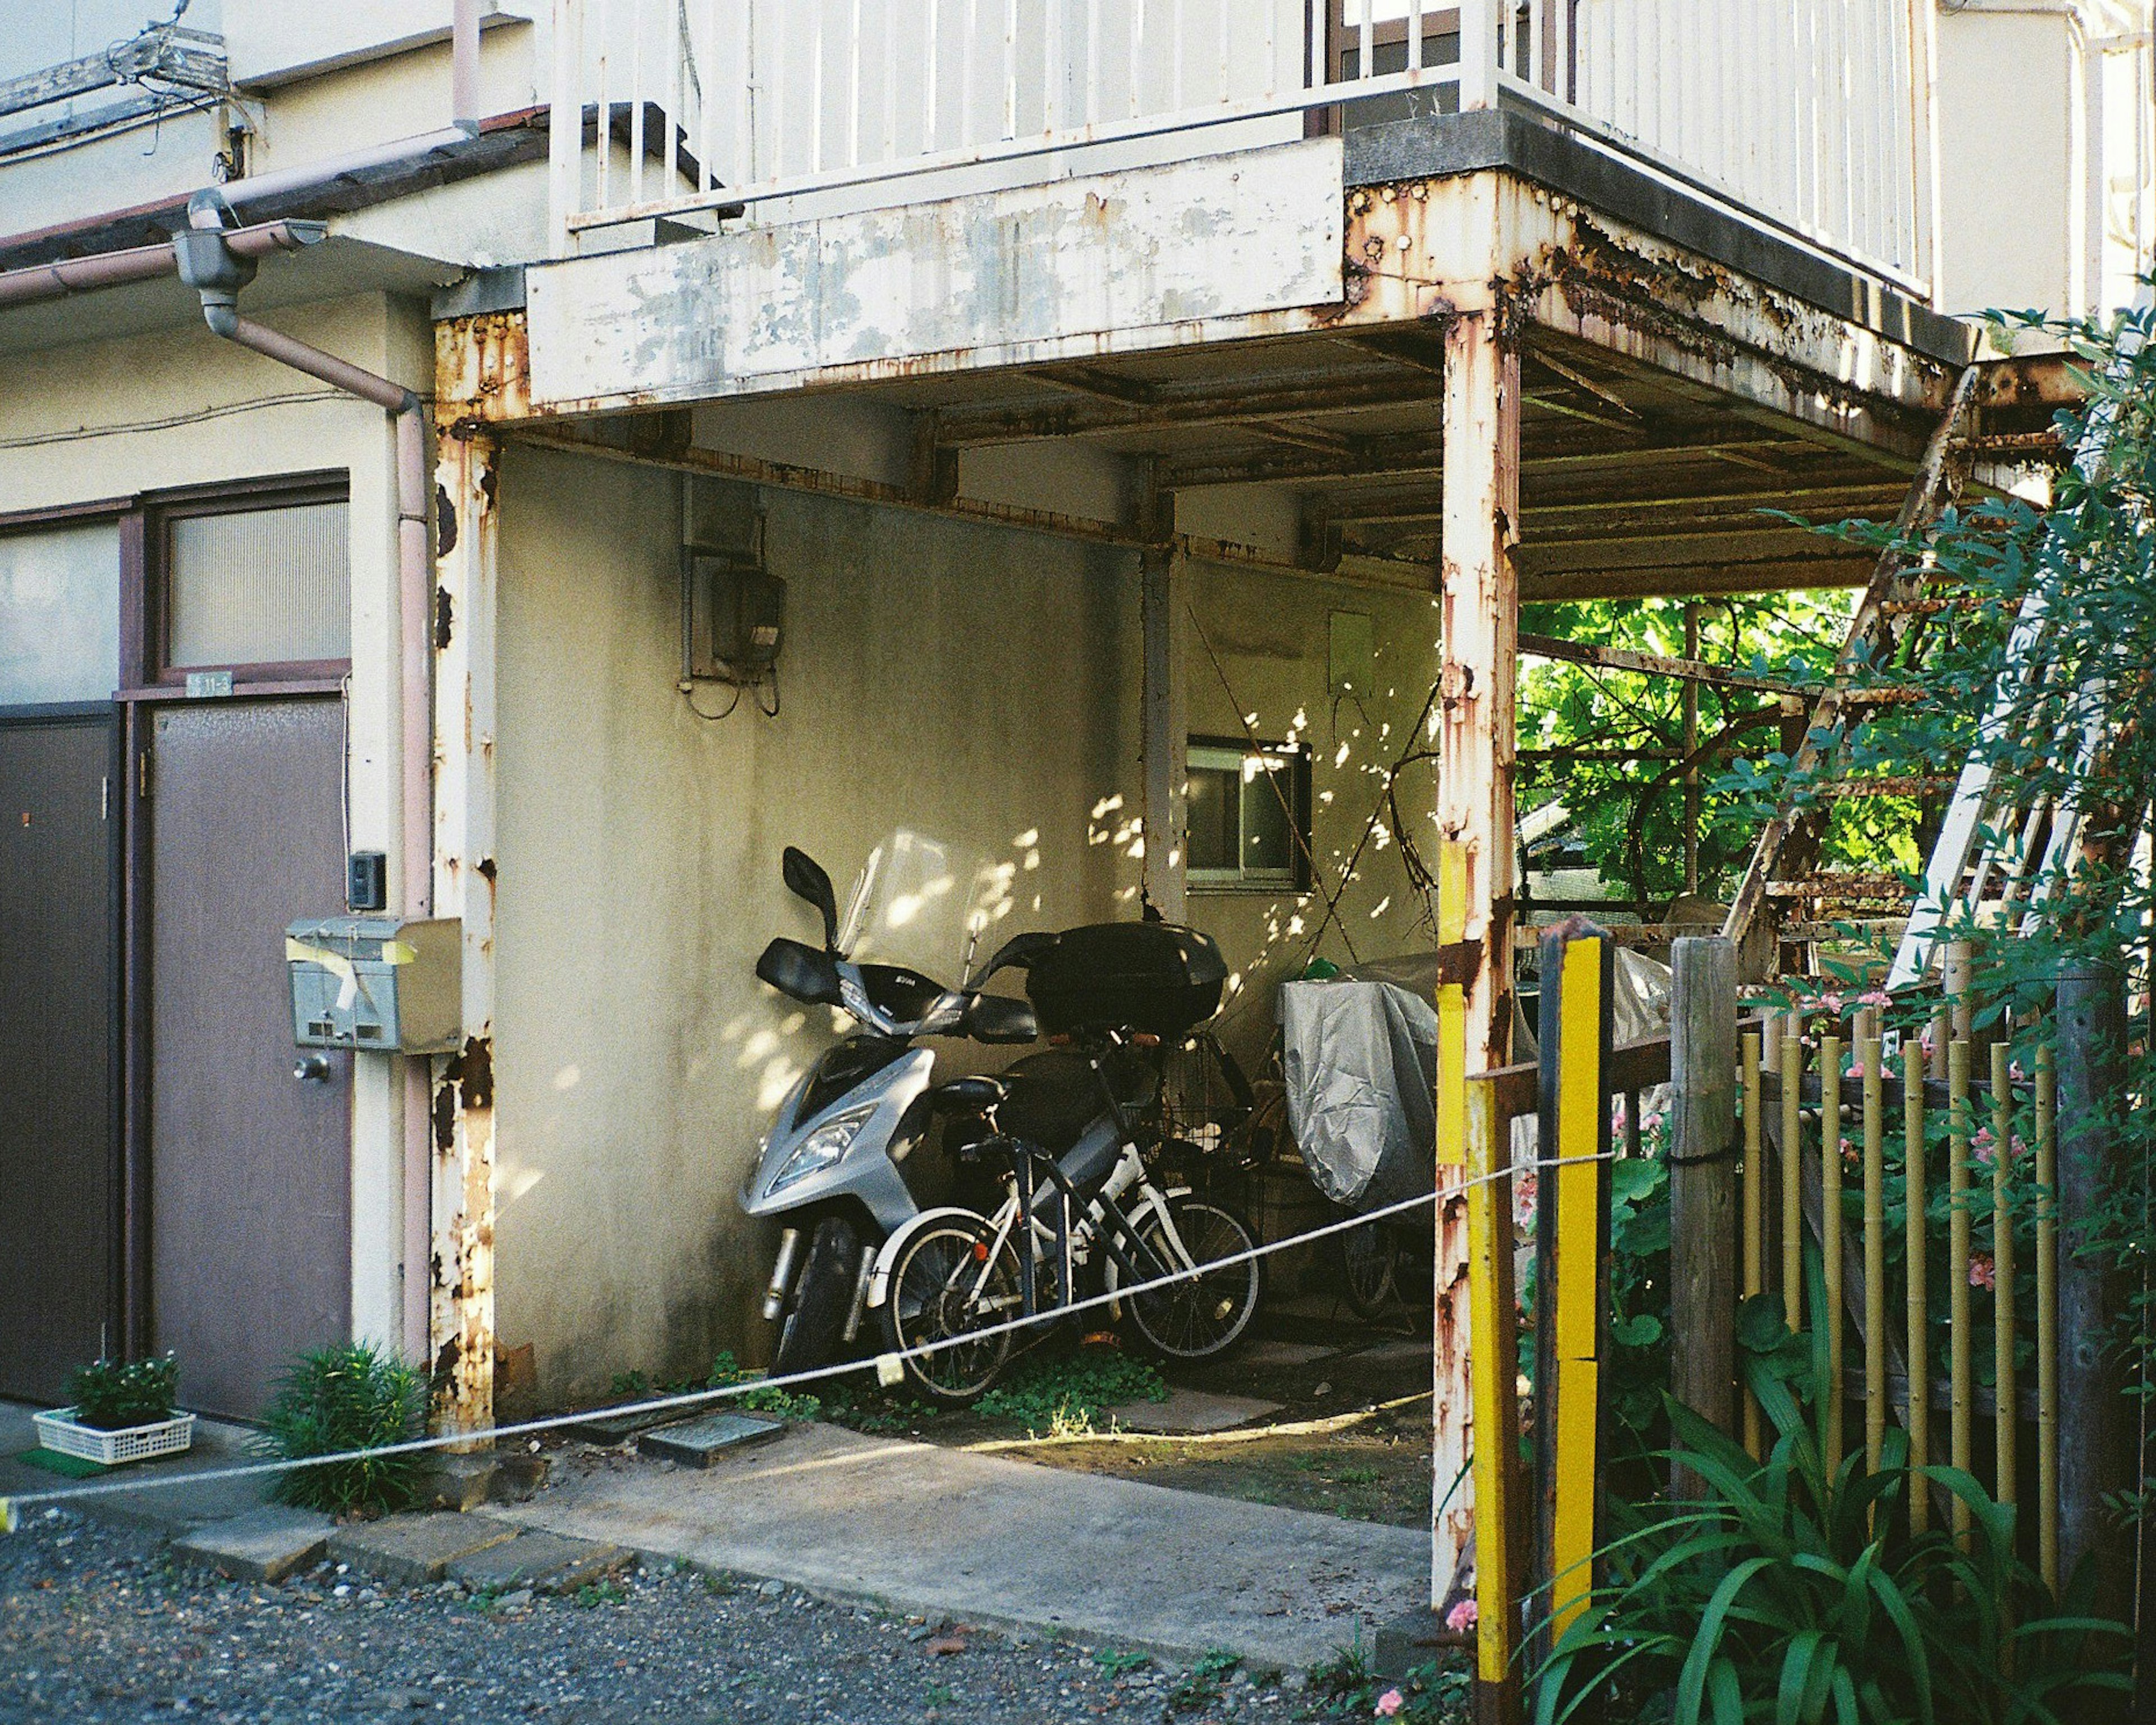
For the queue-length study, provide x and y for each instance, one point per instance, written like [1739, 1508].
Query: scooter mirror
[805, 879]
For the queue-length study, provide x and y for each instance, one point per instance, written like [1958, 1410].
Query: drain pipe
[210, 263]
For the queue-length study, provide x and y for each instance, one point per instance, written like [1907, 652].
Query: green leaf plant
[1789, 1594]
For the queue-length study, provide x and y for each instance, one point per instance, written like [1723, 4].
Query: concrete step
[417, 1548]
[264, 1544]
[545, 1562]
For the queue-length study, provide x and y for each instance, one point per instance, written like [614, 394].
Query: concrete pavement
[920, 1527]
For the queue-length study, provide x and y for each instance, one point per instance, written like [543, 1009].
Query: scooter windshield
[926, 904]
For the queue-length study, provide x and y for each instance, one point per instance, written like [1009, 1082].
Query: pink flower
[1856, 1069]
[1463, 1617]
[1874, 997]
[1848, 1152]
[1981, 1145]
[1830, 1002]
[1524, 1188]
[1617, 1115]
[1982, 1272]
[1652, 1123]
[1390, 1703]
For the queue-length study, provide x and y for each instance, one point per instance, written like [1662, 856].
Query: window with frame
[1247, 816]
[258, 583]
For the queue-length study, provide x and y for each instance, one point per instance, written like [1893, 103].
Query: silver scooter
[832, 1162]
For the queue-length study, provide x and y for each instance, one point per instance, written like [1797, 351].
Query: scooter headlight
[821, 1148]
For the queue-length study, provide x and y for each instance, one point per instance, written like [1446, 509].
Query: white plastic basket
[57, 1431]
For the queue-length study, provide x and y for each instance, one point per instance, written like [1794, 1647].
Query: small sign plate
[208, 685]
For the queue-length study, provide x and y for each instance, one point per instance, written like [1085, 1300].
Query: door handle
[312, 1068]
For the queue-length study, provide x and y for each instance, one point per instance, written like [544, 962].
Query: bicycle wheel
[1370, 1259]
[1203, 1318]
[938, 1293]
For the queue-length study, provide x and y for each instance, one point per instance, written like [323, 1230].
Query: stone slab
[1386, 1353]
[1284, 1353]
[611, 1430]
[546, 1562]
[700, 1442]
[417, 1548]
[1190, 1411]
[1415, 1637]
[264, 1544]
[871, 1519]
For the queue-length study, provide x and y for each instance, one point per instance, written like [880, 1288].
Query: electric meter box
[379, 982]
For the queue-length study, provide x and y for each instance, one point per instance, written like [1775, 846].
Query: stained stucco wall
[972, 683]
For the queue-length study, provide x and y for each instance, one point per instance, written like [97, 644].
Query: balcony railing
[1810, 117]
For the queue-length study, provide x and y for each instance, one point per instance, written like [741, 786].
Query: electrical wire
[882, 1364]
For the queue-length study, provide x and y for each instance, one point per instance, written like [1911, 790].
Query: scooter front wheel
[944, 1286]
[816, 1314]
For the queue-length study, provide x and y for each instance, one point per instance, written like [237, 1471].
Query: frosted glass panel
[260, 587]
[60, 615]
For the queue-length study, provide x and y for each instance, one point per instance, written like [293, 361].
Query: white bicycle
[959, 1278]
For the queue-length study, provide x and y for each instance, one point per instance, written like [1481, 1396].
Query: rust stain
[482, 369]
[476, 1079]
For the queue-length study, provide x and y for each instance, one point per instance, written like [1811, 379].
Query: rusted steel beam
[1091, 416]
[482, 370]
[1777, 575]
[1478, 609]
[461, 1326]
[1653, 664]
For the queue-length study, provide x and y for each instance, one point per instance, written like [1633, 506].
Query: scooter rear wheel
[816, 1315]
[941, 1288]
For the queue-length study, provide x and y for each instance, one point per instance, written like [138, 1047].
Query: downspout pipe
[208, 262]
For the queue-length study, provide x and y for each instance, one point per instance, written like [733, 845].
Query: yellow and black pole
[1572, 1269]
[1472, 1150]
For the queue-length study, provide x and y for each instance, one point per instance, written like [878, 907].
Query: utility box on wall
[379, 982]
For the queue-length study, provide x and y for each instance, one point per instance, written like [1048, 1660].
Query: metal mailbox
[377, 982]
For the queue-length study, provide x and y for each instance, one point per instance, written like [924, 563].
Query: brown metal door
[59, 1117]
[250, 1167]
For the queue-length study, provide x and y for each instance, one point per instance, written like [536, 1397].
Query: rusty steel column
[1478, 600]
[460, 1319]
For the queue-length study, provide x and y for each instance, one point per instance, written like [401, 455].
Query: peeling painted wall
[972, 683]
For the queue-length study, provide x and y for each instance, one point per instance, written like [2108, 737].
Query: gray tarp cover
[1359, 1056]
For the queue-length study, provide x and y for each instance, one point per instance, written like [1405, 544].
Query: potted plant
[122, 1412]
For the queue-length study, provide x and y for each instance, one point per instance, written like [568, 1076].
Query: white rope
[882, 1363]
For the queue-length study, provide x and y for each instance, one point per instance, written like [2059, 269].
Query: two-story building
[1103, 413]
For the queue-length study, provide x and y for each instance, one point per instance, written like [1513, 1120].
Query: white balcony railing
[1811, 117]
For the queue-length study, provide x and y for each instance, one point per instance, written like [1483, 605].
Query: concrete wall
[974, 684]
[112, 420]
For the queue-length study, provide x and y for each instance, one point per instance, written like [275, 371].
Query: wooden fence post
[2092, 1404]
[1703, 1185]
[1572, 1267]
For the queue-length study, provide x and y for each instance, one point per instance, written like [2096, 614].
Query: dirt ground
[1352, 1436]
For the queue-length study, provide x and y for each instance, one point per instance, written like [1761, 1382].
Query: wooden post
[1917, 1312]
[1161, 600]
[1755, 1203]
[461, 1336]
[2092, 1405]
[1572, 1267]
[1870, 1054]
[1703, 1185]
[1479, 608]
[1830, 1259]
[2006, 1408]
[1961, 1446]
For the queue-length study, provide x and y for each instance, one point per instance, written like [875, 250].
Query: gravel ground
[97, 1624]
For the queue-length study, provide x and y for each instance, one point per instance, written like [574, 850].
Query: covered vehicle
[1359, 1059]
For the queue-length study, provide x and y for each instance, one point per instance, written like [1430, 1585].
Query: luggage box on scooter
[1155, 976]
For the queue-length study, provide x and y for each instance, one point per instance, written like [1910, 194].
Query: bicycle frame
[1099, 1218]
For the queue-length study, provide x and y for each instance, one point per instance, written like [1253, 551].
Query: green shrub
[787, 1403]
[113, 1396]
[351, 1397]
[1062, 1395]
[1792, 1594]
